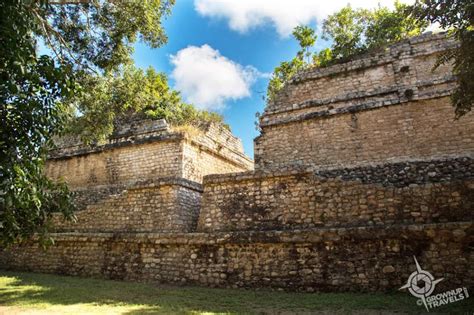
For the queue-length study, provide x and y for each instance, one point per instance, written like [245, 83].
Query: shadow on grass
[31, 290]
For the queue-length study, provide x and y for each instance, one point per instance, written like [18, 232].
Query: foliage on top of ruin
[353, 32]
[357, 32]
[130, 93]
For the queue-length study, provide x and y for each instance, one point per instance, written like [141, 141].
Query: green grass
[30, 293]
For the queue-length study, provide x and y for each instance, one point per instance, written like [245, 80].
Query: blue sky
[262, 48]
[220, 53]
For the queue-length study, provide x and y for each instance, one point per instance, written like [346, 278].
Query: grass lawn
[30, 293]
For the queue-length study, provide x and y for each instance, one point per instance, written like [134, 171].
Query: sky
[220, 53]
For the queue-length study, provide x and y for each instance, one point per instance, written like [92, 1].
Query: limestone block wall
[119, 165]
[406, 64]
[388, 107]
[199, 162]
[212, 150]
[164, 205]
[343, 259]
[215, 151]
[301, 200]
[147, 150]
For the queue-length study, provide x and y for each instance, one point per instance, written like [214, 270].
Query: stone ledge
[313, 235]
[255, 175]
[62, 153]
[149, 183]
[363, 173]
[351, 96]
[322, 102]
[166, 181]
[400, 174]
[369, 105]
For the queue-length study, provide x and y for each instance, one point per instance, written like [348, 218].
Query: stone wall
[199, 161]
[119, 165]
[216, 151]
[164, 205]
[147, 150]
[385, 108]
[416, 130]
[299, 200]
[405, 173]
[342, 259]
[388, 71]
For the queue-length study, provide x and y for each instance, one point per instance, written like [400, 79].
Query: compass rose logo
[421, 283]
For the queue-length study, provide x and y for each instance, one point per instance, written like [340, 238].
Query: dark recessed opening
[405, 69]
[409, 93]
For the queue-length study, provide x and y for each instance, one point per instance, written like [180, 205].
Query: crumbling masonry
[358, 168]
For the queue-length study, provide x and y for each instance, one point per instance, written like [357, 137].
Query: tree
[355, 31]
[458, 17]
[346, 29]
[306, 38]
[31, 88]
[286, 70]
[99, 34]
[129, 92]
[386, 26]
[86, 39]
[97, 37]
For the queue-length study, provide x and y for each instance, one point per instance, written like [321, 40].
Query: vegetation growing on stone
[130, 91]
[352, 31]
[355, 31]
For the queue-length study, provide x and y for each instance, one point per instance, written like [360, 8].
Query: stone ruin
[359, 167]
[147, 178]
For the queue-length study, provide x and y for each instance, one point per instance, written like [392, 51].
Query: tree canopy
[96, 37]
[126, 92]
[99, 34]
[457, 16]
[31, 90]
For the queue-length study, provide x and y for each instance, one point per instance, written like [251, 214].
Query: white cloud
[284, 15]
[207, 79]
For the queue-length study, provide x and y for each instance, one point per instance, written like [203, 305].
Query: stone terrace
[146, 178]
